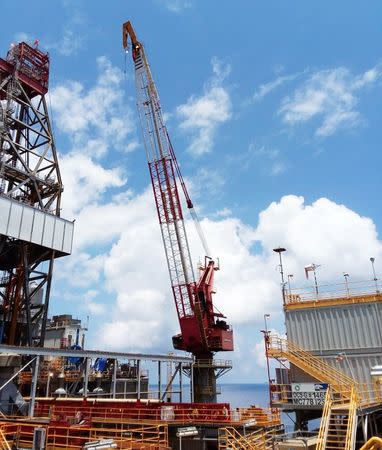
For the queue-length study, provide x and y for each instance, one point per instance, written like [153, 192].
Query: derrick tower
[32, 234]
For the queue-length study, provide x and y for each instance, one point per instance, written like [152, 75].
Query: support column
[192, 397]
[364, 422]
[115, 377]
[86, 377]
[34, 386]
[139, 378]
[159, 379]
[180, 383]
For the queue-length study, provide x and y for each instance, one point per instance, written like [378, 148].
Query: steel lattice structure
[161, 166]
[30, 195]
[203, 331]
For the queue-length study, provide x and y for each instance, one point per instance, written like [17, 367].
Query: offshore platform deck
[330, 364]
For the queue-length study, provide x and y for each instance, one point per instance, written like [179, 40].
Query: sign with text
[309, 394]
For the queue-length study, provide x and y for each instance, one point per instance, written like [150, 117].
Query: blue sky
[272, 108]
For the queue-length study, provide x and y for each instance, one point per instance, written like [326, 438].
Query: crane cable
[189, 203]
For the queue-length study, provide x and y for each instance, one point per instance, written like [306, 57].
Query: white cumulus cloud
[176, 6]
[69, 43]
[85, 181]
[96, 119]
[330, 96]
[201, 115]
[247, 285]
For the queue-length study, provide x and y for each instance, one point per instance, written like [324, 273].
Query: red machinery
[203, 330]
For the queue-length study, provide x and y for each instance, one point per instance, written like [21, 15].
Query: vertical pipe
[48, 383]
[180, 383]
[86, 377]
[26, 296]
[315, 281]
[34, 386]
[192, 383]
[159, 379]
[266, 344]
[139, 378]
[46, 302]
[115, 377]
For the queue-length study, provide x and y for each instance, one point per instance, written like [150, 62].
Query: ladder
[230, 439]
[4, 445]
[338, 423]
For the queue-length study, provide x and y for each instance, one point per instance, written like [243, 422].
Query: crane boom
[202, 329]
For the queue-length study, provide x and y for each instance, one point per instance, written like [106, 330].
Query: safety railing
[352, 421]
[212, 363]
[4, 445]
[323, 431]
[264, 417]
[374, 443]
[277, 347]
[368, 394]
[73, 437]
[157, 413]
[338, 421]
[370, 289]
[282, 394]
[231, 438]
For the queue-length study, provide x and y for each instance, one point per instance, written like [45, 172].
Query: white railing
[333, 291]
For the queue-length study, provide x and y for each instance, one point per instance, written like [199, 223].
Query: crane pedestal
[203, 374]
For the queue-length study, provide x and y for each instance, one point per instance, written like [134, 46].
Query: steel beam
[45, 351]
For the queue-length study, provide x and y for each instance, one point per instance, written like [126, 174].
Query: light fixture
[266, 316]
[280, 250]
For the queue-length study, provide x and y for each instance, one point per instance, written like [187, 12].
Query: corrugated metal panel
[357, 326]
[23, 222]
[355, 330]
[357, 367]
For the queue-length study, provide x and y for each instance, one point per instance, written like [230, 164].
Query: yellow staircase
[374, 443]
[338, 422]
[339, 416]
[280, 348]
[231, 439]
[4, 445]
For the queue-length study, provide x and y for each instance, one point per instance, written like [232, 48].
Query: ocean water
[238, 395]
[242, 395]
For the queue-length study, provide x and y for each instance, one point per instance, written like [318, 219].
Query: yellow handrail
[229, 437]
[352, 421]
[321, 440]
[315, 366]
[3, 441]
[374, 443]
